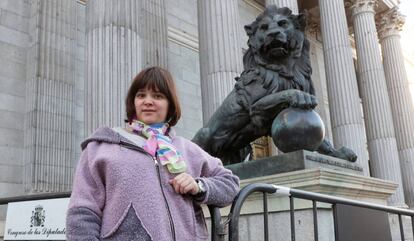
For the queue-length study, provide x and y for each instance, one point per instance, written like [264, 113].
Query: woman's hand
[184, 183]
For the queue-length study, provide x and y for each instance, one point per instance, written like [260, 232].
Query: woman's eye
[159, 96]
[140, 95]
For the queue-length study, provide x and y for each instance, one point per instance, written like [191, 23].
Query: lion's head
[276, 34]
[277, 39]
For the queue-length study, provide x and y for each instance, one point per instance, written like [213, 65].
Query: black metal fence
[232, 221]
[33, 197]
[229, 227]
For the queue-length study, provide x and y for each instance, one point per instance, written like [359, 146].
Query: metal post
[335, 221]
[265, 218]
[315, 221]
[292, 218]
[401, 227]
[215, 222]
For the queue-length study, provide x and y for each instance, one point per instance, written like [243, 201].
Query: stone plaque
[361, 224]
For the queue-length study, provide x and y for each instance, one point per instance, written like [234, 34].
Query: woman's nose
[148, 100]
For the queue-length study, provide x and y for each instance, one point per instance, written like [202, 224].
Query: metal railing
[234, 215]
[34, 197]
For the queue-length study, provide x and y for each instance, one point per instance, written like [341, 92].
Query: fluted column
[49, 118]
[402, 107]
[220, 52]
[345, 109]
[123, 36]
[292, 4]
[154, 33]
[382, 144]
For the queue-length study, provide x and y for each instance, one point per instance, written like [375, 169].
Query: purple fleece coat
[117, 194]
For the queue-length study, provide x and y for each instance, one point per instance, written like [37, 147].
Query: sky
[407, 35]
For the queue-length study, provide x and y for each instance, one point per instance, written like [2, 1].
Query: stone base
[293, 161]
[320, 180]
[2, 226]
[332, 182]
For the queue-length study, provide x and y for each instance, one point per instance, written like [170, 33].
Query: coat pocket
[128, 228]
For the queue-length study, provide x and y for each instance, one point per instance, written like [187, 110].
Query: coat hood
[103, 134]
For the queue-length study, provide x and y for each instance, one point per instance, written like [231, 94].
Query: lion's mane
[300, 74]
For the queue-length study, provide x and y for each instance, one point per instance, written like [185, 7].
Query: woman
[143, 182]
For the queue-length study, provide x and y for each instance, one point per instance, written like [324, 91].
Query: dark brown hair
[156, 79]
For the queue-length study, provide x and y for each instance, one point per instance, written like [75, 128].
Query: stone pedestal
[317, 179]
[293, 161]
[309, 171]
[328, 181]
[2, 225]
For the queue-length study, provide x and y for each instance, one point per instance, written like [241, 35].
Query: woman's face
[151, 106]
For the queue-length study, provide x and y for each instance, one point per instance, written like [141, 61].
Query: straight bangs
[155, 80]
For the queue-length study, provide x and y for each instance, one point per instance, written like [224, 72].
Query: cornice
[254, 4]
[182, 38]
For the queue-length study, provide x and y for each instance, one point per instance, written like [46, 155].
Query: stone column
[49, 118]
[122, 36]
[402, 107]
[292, 4]
[154, 33]
[318, 72]
[220, 52]
[345, 108]
[382, 144]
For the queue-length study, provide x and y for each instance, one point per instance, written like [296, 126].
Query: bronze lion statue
[277, 75]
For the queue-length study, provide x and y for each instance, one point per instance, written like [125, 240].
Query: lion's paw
[347, 154]
[302, 100]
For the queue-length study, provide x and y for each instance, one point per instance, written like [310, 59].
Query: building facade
[66, 66]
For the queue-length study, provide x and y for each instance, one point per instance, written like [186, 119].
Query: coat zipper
[166, 203]
[157, 167]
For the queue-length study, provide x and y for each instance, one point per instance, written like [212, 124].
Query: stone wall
[183, 62]
[50, 96]
[14, 39]
[79, 122]
[251, 226]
